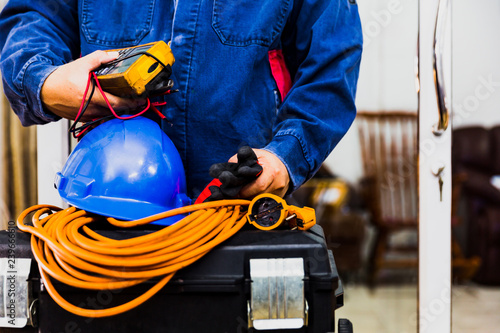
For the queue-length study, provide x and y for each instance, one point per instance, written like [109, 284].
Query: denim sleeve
[35, 37]
[322, 45]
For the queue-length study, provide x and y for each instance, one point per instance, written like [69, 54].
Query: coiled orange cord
[67, 250]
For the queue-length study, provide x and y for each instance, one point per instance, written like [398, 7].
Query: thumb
[233, 159]
[95, 59]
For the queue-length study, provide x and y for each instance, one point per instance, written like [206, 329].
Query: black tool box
[256, 279]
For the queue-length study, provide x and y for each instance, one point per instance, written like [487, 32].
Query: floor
[392, 309]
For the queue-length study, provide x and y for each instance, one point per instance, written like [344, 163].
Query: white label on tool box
[14, 291]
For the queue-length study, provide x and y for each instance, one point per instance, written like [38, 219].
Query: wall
[476, 63]
[387, 79]
[387, 74]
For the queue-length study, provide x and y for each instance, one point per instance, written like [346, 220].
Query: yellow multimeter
[139, 71]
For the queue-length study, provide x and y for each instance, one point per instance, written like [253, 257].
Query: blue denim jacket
[228, 96]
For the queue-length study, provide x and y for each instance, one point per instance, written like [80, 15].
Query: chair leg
[377, 255]
[463, 269]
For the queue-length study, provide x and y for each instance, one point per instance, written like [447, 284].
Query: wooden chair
[390, 185]
[390, 188]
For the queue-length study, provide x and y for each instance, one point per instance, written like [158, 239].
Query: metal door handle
[439, 40]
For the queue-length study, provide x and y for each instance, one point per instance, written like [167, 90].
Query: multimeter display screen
[122, 66]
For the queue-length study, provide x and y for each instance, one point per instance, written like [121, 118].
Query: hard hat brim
[123, 209]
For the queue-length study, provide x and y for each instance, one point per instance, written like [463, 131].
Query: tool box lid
[230, 260]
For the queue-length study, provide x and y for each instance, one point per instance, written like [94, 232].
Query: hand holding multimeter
[125, 78]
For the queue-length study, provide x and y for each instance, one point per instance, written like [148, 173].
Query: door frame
[434, 283]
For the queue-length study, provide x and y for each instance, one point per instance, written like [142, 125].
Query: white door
[434, 71]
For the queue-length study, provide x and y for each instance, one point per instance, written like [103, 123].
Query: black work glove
[229, 178]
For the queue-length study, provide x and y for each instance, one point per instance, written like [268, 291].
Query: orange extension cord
[70, 252]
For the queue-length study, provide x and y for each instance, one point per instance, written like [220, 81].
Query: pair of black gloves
[229, 178]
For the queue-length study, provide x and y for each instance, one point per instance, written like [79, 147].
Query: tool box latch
[15, 296]
[277, 294]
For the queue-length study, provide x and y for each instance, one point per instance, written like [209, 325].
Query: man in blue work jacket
[277, 75]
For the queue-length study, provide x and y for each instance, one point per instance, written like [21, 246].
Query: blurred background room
[367, 191]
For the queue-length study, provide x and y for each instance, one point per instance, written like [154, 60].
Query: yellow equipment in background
[139, 71]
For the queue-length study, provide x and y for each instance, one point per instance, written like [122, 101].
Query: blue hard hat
[126, 169]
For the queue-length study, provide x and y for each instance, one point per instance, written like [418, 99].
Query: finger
[260, 185]
[229, 179]
[117, 103]
[217, 168]
[279, 192]
[250, 171]
[95, 59]
[246, 155]
[93, 112]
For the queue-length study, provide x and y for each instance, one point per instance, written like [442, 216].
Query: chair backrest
[389, 152]
[476, 148]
